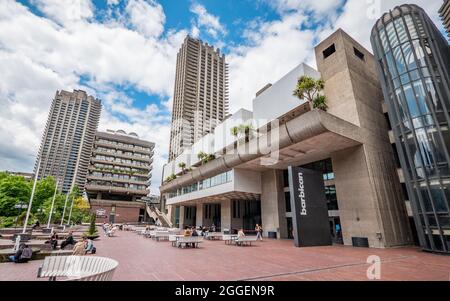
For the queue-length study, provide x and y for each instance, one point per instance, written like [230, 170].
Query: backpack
[27, 253]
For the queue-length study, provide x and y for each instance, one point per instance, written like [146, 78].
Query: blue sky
[124, 52]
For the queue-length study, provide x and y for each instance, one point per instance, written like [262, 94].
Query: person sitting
[37, 224]
[194, 234]
[89, 247]
[80, 247]
[187, 232]
[111, 231]
[68, 241]
[22, 255]
[241, 233]
[53, 241]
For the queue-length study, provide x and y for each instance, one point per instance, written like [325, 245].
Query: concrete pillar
[199, 215]
[225, 214]
[369, 205]
[273, 208]
[181, 220]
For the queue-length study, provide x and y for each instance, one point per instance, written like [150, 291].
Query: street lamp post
[70, 212]
[65, 205]
[31, 197]
[53, 204]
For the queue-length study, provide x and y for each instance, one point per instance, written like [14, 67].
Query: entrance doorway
[336, 230]
[211, 216]
[190, 216]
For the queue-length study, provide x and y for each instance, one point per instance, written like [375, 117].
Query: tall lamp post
[65, 205]
[53, 204]
[31, 197]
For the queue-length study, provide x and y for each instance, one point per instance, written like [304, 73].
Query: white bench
[78, 268]
[188, 240]
[161, 235]
[213, 235]
[247, 240]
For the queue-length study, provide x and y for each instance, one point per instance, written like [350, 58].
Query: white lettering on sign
[301, 194]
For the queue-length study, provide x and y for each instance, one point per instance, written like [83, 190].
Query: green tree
[235, 131]
[13, 190]
[182, 165]
[45, 189]
[309, 88]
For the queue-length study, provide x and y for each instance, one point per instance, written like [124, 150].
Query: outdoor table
[232, 237]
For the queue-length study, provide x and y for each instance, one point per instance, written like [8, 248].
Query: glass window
[411, 101]
[401, 31]
[392, 36]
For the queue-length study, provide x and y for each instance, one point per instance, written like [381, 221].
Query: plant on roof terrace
[182, 165]
[171, 178]
[309, 88]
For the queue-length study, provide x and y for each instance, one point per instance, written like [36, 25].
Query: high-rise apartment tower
[68, 138]
[200, 96]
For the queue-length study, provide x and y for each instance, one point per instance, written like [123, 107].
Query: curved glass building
[414, 64]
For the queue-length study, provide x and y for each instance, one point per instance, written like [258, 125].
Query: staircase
[154, 213]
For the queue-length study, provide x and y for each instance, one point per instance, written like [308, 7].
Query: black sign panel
[309, 208]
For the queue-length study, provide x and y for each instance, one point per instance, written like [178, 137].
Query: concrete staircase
[155, 213]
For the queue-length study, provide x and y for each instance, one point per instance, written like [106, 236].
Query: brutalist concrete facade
[353, 134]
[68, 138]
[200, 96]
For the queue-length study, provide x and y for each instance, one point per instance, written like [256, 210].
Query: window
[358, 53]
[329, 51]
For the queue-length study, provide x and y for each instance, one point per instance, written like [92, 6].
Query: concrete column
[181, 220]
[199, 215]
[225, 214]
[367, 198]
[273, 211]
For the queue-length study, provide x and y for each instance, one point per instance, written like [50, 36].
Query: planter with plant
[309, 88]
[92, 232]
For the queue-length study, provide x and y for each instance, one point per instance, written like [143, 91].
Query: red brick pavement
[144, 259]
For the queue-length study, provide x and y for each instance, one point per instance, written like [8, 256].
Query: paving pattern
[144, 259]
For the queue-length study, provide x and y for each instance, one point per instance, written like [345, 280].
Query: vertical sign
[309, 208]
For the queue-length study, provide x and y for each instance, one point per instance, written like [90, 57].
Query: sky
[124, 53]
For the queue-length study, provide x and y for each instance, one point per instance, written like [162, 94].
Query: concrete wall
[273, 209]
[367, 186]
[278, 99]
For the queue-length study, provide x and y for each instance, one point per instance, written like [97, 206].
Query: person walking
[259, 232]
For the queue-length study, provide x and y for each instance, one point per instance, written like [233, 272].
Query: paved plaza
[145, 259]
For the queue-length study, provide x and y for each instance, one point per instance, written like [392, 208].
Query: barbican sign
[309, 208]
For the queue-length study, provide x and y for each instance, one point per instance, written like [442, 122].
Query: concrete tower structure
[200, 96]
[68, 138]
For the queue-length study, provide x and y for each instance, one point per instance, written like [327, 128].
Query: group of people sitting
[109, 229]
[53, 240]
[83, 247]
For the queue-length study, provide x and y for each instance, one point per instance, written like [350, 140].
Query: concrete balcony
[117, 180]
[114, 189]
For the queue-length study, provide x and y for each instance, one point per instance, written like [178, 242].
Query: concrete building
[414, 69]
[444, 12]
[26, 175]
[200, 96]
[68, 138]
[247, 181]
[119, 176]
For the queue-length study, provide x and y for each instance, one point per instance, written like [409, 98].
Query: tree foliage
[309, 88]
[16, 190]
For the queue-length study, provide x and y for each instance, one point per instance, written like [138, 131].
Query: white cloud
[358, 17]
[67, 11]
[39, 56]
[273, 48]
[277, 47]
[132, 49]
[208, 21]
[147, 17]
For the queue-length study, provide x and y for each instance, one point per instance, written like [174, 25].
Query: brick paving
[144, 259]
